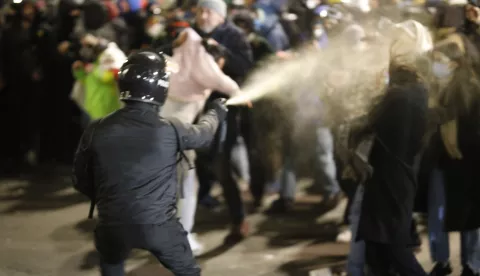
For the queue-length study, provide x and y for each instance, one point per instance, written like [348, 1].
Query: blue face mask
[441, 70]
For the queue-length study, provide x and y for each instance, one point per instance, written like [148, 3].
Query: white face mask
[156, 30]
[441, 70]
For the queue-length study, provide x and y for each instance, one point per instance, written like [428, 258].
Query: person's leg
[438, 239]
[470, 250]
[376, 259]
[188, 202]
[206, 179]
[168, 243]
[288, 184]
[404, 262]
[231, 191]
[112, 244]
[224, 172]
[256, 158]
[356, 257]
[288, 180]
[187, 209]
[326, 171]
[240, 159]
[258, 178]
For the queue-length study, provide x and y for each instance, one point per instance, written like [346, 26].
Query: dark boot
[467, 271]
[441, 269]
[238, 233]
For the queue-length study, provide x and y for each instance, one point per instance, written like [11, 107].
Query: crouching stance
[126, 164]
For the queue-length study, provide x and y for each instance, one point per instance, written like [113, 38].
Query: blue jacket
[270, 27]
[273, 31]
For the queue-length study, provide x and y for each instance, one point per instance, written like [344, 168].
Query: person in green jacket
[96, 90]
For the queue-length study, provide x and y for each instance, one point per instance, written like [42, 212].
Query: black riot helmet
[144, 77]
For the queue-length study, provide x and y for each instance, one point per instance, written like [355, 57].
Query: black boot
[441, 269]
[467, 271]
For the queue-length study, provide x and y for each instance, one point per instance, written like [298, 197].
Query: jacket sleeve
[199, 135]
[211, 77]
[82, 165]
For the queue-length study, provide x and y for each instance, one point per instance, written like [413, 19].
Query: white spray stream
[358, 74]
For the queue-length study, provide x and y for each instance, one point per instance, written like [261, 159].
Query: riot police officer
[126, 164]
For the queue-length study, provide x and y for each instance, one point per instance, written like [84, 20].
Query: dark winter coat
[128, 167]
[387, 207]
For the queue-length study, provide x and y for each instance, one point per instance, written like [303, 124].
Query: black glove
[219, 105]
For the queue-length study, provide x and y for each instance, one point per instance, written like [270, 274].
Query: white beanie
[219, 6]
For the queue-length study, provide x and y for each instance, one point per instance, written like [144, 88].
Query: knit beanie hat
[219, 6]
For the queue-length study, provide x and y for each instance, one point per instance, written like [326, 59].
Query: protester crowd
[414, 151]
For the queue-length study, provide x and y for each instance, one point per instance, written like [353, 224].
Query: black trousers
[388, 259]
[167, 242]
[215, 165]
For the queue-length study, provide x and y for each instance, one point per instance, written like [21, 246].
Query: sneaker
[197, 247]
[345, 236]
[441, 269]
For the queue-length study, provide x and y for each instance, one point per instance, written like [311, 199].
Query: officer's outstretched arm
[201, 135]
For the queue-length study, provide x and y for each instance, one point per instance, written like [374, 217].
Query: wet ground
[44, 231]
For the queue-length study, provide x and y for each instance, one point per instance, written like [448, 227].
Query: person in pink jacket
[200, 72]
